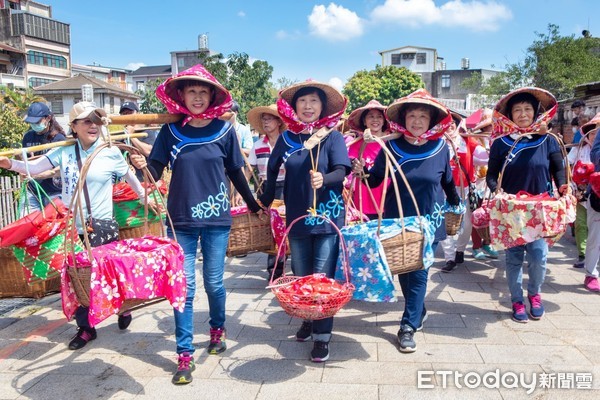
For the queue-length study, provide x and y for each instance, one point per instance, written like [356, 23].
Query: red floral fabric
[518, 219]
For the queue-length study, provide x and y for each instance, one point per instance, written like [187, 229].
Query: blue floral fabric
[369, 269]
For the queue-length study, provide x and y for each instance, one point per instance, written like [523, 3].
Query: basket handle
[390, 159]
[286, 234]
[77, 207]
[563, 150]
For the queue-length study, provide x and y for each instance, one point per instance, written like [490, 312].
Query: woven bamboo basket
[453, 223]
[484, 233]
[81, 275]
[154, 228]
[249, 233]
[13, 282]
[404, 253]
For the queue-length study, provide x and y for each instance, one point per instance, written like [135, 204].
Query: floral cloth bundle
[518, 219]
[142, 268]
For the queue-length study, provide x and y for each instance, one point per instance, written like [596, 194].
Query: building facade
[35, 48]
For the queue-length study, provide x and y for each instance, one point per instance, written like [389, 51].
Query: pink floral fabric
[519, 219]
[503, 126]
[278, 228]
[142, 268]
[288, 115]
[176, 106]
[436, 131]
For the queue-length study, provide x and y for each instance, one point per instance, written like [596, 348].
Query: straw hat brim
[546, 99]
[336, 101]
[255, 114]
[355, 117]
[172, 86]
[585, 128]
[393, 111]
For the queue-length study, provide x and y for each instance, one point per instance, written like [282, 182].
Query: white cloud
[282, 35]
[334, 23]
[474, 15]
[336, 83]
[241, 14]
[134, 65]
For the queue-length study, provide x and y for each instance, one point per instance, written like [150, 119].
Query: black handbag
[100, 231]
[474, 197]
[594, 201]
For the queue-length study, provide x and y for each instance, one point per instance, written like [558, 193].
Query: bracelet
[260, 204]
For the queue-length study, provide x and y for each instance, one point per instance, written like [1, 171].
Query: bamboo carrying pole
[100, 118]
[68, 142]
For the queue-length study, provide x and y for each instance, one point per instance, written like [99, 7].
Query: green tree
[249, 83]
[215, 64]
[552, 62]
[384, 84]
[149, 102]
[13, 127]
[19, 100]
[559, 63]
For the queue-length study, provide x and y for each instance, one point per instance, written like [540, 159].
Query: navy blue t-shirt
[199, 158]
[425, 168]
[528, 168]
[298, 192]
[51, 186]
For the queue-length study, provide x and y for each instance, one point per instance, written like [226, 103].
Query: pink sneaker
[591, 284]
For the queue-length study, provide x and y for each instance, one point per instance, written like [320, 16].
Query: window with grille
[421, 58]
[445, 81]
[395, 59]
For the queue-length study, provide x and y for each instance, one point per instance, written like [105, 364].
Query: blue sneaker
[478, 254]
[519, 314]
[537, 308]
[489, 251]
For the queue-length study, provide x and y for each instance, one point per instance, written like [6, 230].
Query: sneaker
[320, 351]
[580, 262]
[591, 284]
[406, 339]
[478, 254]
[536, 309]
[459, 257]
[489, 251]
[124, 320]
[424, 317]
[217, 341]
[449, 267]
[305, 332]
[83, 336]
[185, 367]
[519, 314]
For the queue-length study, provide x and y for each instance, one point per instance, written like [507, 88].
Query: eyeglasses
[86, 122]
[267, 119]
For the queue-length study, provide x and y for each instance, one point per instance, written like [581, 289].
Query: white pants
[592, 250]
[458, 242]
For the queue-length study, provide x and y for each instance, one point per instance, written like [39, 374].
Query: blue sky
[325, 41]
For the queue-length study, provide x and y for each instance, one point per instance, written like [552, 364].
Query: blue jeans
[213, 243]
[536, 270]
[414, 289]
[316, 254]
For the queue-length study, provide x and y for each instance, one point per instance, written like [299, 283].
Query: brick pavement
[468, 330]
